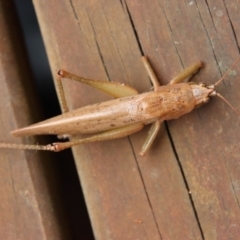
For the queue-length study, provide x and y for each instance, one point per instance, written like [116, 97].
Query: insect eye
[202, 84]
[205, 100]
[212, 94]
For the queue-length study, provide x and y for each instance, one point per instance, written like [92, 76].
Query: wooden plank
[206, 141]
[30, 207]
[130, 197]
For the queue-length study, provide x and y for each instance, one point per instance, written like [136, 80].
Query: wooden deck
[188, 185]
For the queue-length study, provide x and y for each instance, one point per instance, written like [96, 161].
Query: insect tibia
[28, 147]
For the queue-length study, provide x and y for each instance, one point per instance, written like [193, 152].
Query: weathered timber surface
[30, 207]
[191, 190]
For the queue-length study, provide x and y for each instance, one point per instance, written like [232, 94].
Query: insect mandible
[126, 114]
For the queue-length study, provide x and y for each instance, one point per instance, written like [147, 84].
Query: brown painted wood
[207, 139]
[30, 207]
[130, 197]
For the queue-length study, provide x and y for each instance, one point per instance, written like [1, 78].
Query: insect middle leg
[155, 127]
[151, 73]
[185, 75]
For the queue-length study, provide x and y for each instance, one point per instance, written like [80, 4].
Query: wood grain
[30, 207]
[187, 186]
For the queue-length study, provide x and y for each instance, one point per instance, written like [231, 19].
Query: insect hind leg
[59, 146]
[103, 136]
[116, 89]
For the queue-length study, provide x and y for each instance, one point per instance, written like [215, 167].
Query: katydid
[126, 114]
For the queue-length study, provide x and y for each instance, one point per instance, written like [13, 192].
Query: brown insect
[126, 114]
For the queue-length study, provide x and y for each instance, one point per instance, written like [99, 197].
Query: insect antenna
[220, 80]
[225, 74]
[228, 103]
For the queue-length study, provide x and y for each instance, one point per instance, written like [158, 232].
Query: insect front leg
[187, 73]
